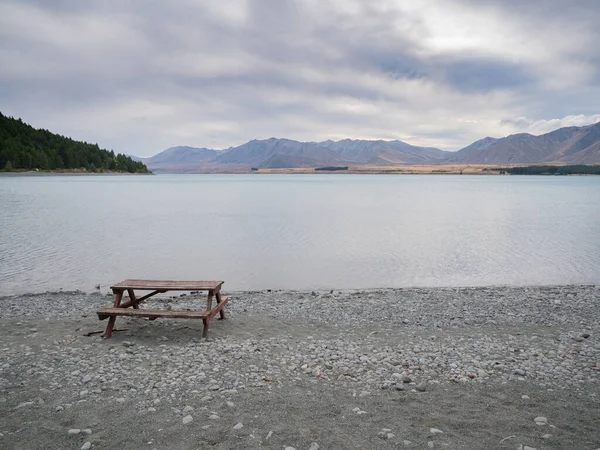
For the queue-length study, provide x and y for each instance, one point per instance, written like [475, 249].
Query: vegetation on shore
[553, 170]
[23, 147]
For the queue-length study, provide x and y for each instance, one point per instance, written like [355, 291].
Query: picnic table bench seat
[131, 307]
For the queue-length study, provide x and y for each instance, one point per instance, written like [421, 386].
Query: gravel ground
[468, 368]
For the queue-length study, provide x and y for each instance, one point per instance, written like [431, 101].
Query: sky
[139, 76]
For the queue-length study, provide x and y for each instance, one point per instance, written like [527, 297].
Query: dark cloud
[144, 75]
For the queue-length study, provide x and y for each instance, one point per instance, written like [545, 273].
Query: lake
[298, 231]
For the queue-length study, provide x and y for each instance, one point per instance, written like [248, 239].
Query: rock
[87, 431]
[289, 448]
[230, 404]
[540, 421]
[213, 417]
[74, 432]
[546, 436]
[151, 409]
[59, 408]
[406, 379]
[435, 431]
[187, 419]
[421, 387]
[578, 339]
[314, 446]
[238, 426]
[525, 397]
[406, 443]
[585, 335]
[187, 409]
[399, 387]
[520, 372]
[430, 444]
[86, 446]
[120, 400]
[128, 344]
[24, 405]
[86, 379]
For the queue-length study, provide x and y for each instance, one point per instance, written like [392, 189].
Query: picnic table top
[168, 285]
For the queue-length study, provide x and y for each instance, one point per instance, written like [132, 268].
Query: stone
[230, 404]
[120, 400]
[74, 432]
[213, 417]
[314, 446]
[289, 448]
[87, 431]
[585, 335]
[525, 397]
[430, 444]
[187, 409]
[86, 446]
[24, 405]
[421, 387]
[406, 443]
[59, 408]
[238, 426]
[546, 436]
[540, 420]
[187, 419]
[86, 379]
[151, 409]
[520, 372]
[435, 431]
[128, 344]
[406, 379]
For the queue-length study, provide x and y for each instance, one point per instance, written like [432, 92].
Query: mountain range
[571, 145]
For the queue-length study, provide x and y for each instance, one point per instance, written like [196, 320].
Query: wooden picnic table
[131, 307]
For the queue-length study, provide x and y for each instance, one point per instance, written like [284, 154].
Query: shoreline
[360, 369]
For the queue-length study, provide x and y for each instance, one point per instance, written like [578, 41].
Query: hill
[570, 145]
[23, 147]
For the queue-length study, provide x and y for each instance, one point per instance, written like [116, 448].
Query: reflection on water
[298, 231]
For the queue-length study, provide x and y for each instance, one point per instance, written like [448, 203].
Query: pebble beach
[455, 368]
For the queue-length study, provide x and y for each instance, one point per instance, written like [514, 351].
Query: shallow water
[298, 231]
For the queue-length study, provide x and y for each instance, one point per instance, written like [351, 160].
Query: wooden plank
[129, 303]
[132, 298]
[219, 308]
[111, 321]
[152, 313]
[219, 300]
[167, 285]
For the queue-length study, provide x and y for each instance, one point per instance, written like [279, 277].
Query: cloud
[545, 126]
[142, 76]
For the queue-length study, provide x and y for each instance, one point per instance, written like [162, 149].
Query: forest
[553, 170]
[23, 147]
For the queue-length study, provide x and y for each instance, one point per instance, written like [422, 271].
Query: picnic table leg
[209, 300]
[134, 302]
[218, 297]
[112, 319]
[205, 322]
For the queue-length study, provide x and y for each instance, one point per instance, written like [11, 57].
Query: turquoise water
[298, 231]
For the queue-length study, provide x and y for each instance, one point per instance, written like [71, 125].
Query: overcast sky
[139, 76]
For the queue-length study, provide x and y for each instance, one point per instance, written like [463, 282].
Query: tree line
[23, 147]
[553, 170]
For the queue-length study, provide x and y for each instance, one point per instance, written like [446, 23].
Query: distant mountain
[384, 153]
[572, 145]
[180, 159]
[276, 153]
